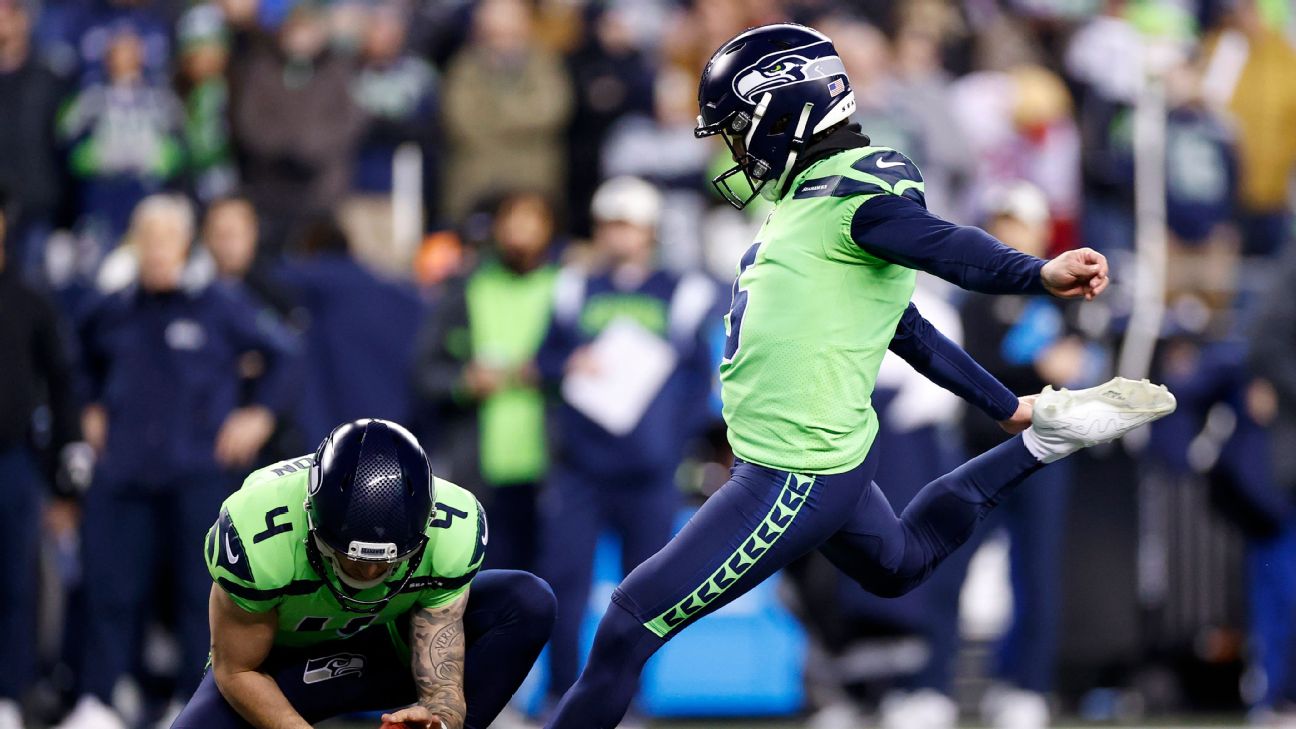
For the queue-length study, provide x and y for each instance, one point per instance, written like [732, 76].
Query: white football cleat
[10, 714]
[1065, 421]
[91, 713]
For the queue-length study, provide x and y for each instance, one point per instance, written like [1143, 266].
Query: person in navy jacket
[163, 361]
[600, 480]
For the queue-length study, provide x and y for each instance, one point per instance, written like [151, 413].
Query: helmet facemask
[325, 560]
[737, 130]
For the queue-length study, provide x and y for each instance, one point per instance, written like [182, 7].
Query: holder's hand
[411, 717]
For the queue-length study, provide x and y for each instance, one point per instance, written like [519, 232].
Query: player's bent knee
[529, 598]
[536, 599]
[892, 588]
[890, 584]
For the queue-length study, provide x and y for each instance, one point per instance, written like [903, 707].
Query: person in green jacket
[474, 365]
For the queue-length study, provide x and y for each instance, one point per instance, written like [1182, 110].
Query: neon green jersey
[811, 319]
[256, 552]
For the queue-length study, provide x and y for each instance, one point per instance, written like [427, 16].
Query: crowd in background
[206, 265]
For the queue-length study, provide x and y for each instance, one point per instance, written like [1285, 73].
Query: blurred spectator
[1020, 126]
[909, 113]
[661, 148]
[1106, 94]
[35, 371]
[697, 29]
[30, 93]
[295, 123]
[1251, 68]
[124, 136]
[1201, 164]
[1273, 352]
[1272, 402]
[924, 88]
[476, 366]
[354, 367]
[1026, 343]
[231, 236]
[204, 56]
[622, 481]
[397, 90]
[1219, 436]
[162, 364]
[506, 103]
[880, 107]
[438, 30]
[611, 78]
[78, 34]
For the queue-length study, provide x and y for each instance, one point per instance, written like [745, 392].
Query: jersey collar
[847, 137]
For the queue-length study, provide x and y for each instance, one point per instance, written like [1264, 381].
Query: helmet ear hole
[780, 125]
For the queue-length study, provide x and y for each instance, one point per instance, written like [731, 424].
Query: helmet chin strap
[772, 192]
[757, 116]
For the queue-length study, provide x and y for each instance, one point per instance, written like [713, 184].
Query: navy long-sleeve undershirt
[945, 363]
[901, 231]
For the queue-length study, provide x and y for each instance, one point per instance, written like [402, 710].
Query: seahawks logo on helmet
[334, 666]
[783, 68]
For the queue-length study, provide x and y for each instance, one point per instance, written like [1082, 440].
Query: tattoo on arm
[437, 640]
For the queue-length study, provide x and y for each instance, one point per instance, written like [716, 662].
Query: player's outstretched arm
[241, 640]
[901, 231]
[936, 357]
[437, 644]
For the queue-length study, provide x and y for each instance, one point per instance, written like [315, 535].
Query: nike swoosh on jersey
[885, 165]
[229, 553]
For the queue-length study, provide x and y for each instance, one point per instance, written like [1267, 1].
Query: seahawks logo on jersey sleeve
[225, 548]
[784, 68]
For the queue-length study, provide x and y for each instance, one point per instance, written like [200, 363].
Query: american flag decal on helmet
[836, 86]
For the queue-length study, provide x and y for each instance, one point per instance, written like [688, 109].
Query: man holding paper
[627, 349]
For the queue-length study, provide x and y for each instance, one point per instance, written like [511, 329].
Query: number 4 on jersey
[739, 303]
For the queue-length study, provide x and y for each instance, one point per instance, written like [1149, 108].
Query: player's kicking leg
[890, 555]
[762, 519]
[507, 622]
[757, 523]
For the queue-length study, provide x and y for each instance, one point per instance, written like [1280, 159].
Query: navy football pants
[756, 524]
[507, 621]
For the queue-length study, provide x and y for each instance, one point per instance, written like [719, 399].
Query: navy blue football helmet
[370, 499]
[767, 92]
